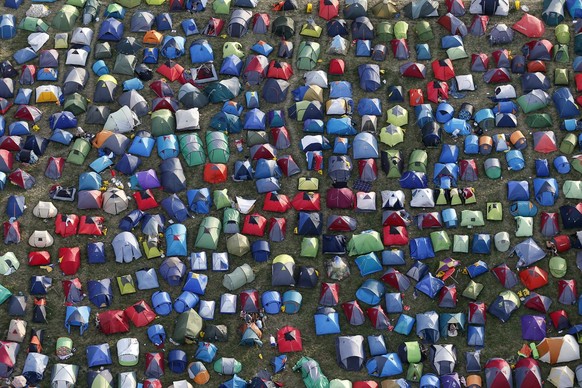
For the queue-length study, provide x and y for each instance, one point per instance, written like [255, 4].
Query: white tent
[82, 36]
[34, 366]
[187, 119]
[122, 120]
[128, 380]
[465, 82]
[126, 247]
[338, 46]
[561, 376]
[114, 201]
[77, 57]
[228, 303]
[554, 350]
[40, 239]
[37, 39]
[422, 198]
[316, 77]
[128, 351]
[64, 376]
[44, 210]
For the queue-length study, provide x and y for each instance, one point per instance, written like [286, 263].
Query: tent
[417, 9]
[554, 350]
[350, 352]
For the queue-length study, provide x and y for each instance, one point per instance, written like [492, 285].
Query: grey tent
[64, 375]
[102, 50]
[528, 252]
[135, 102]
[340, 168]
[114, 201]
[142, 21]
[443, 358]
[187, 119]
[48, 58]
[473, 362]
[75, 80]
[365, 146]
[501, 34]
[349, 352]
[173, 178]
[238, 278]
[239, 22]
[82, 36]
[77, 57]
[490, 7]
[34, 367]
[192, 97]
[124, 64]
[147, 279]
[128, 46]
[126, 247]
[427, 326]
[421, 9]
[97, 114]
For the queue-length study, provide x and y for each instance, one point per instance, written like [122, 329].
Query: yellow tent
[155, 2]
[48, 93]
[126, 284]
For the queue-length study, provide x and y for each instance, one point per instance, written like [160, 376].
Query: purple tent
[147, 179]
[533, 327]
[450, 381]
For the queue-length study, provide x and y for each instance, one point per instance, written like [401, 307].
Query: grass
[502, 340]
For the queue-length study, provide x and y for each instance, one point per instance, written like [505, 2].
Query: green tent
[560, 53]
[76, 104]
[337, 383]
[114, 8]
[461, 243]
[494, 211]
[124, 64]
[473, 290]
[455, 197]
[208, 233]
[394, 159]
[239, 277]
[191, 149]
[534, 100]
[233, 48]
[524, 226]
[129, 3]
[539, 120]
[284, 27]
[441, 197]
[220, 198]
[308, 55]
[417, 161]
[33, 25]
[227, 366]
[238, 245]
[79, 151]
[310, 29]
[561, 77]
[424, 31]
[188, 327]
[384, 9]
[572, 189]
[309, 246]
[311, 373]
[257, 137]
[163, 122]
[577, 163]
[391, 135]
[65, 18]
[440, 241]
[366, 242]
[4, 294]
[221, 6]
[471, 218]
[401, 30]
[217, 147]
[568, 144]
[414, 372]
[558, 266]
[384, 32]
[455, 53]
[413, 352]
[231, 221]
[562, 33]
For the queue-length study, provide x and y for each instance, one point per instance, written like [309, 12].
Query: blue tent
[369, 74]
[517, 191]
[176, 240]
[131, 220]
[476, 336]
[413, 180]
[175, 208]
[340, 89]
[565, 104]
[444, 112]
[326, 321]
[424, 114]
[546, 191]
[368, 264]
[133, 84]
[341, 145]
[100, 292]
[164, 22]
[173, 271]
[267, 168]
[255, 120]
[231, 65]
[199, 200]
[235, 382]
[423, 52]
[39, 285]
[13, 3]
[515, 160]
[206, 351]
[478, 268]
[262, 48]
[292, 301]
[142, 144]
[261, 250]
[162, 303]
[63, 120]
[377, 345]
[445, 175]
[363, 48]
[177, 360]
[485, 118]
[111, 30]
[449, 154]
[24, 55]
[393, 302]
[430, 380]
[309, 224]
[471, 145]
[77, 316]
[457, 127]
[404, 324]
[150, 55]
[201, 51]
[185, 301]
[196, 283]
[371, 292]
[542, 168]
[370, 106]
[189, 27]
[8, 25]
[98, 355]
[384, 366]
[47, 74]
[421, 248]
[562, 165]
[450, 41]
[427, 327]
[61, 136]
[168, 146]
[23, 96]
[271, 302]
[430, 285]
[223, 121]
[15, 206]
[340, 126]
[393, 257]
[173, 46]
[481, 243]
[96, 252]
[127, 164]
[157, 334]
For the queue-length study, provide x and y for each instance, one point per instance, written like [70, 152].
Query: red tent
[54, 167]
[416, 97]
[530, 26]
[288, 165]
[171, 70]
[477, 313]
[354, 313]
[140, 314]
[73, 290]
[329, 294]
[545, 142]
[28, 113]
[395, 235]
[538, 49]
[10, 143]
[39, 258]
[533, 277]
[214, 27]
[275, 202]
[262, 18]
[578, 79]
[263, 151]
[304, 201]
[549, 224]
[280, 138]
[413, 70]
[365, 384]
[396, 280]
[279, 70]
[395, 218]
[498, 373]
[254, 225]
[497, 75]
[337, 66]
[69, 260]
[161, 88]
[538, 302]
[479, 25]
[277, 229]
[378, 317]
[91, 225]
[169, 103]
[502, 58]
[152, 383]
[8, 352]
[567, 291]
[154, 365]
[429, 220]
[448, 296]
[340, 198]
[328, 9]
[6, 160]
[505, 275]
[113, 322]
[443, 69]
[452, 24]
[289, 340]
[215, 172]
[66, 225]
[177, 5]
[479, 62]
[11, 232]
[437, 91]
[341, 224]
[456, 7]
[560, 320]
[21, 179]
[530, 373]
[145, 200]
[249, 301]
[536, 66]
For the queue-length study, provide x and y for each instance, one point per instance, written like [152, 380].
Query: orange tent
[215, 172]
[153, 37]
